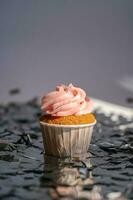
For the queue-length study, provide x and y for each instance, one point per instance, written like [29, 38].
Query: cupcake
[67, 122]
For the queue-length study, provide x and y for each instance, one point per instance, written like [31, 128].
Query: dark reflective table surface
[28, 174]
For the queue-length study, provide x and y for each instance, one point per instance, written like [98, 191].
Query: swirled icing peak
[66, 100]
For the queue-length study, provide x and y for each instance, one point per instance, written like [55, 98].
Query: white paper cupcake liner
[66, 140]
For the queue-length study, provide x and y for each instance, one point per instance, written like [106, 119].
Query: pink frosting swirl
[66, 100]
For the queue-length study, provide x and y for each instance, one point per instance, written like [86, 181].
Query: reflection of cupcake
[67, 123]
[60, 172]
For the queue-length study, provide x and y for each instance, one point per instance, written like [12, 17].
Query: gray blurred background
[47, 42]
